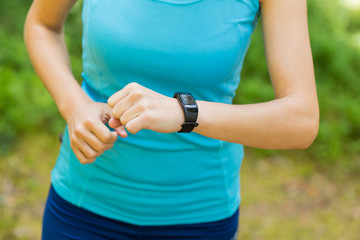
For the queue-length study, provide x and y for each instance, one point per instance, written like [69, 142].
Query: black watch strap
[190, 109]
[188, 127]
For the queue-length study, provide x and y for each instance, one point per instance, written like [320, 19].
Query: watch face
[188, 100]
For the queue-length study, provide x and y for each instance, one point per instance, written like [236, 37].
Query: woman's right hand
[44, 37]
[89, 136]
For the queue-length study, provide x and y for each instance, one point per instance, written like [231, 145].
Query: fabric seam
[85, 35]
[221, 145]
[68, 159]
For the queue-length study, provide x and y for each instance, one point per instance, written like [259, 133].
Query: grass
[282, 198]
[25, 180]
[293, 199]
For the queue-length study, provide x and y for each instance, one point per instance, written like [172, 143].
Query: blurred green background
[293, 194]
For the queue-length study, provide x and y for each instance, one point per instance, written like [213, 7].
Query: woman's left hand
[138, 107]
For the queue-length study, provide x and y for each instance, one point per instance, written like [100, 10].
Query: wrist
[72, 104]
[178, 113]
[190, 111]
[202, 120]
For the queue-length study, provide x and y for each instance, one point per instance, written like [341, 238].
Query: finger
[107, 114]
[99, 129]
[136, 124]
[114, 122]
[129, 115]
[80, 155]
[86, 150]
[118, 127]
[121, 106]
[89, 138]
[121, 131]
[118, 96]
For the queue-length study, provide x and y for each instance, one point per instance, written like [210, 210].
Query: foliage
[282, 198]
[279, 190]
[26, 107]
[336, 56]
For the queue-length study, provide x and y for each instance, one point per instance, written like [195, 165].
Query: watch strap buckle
[188, 127]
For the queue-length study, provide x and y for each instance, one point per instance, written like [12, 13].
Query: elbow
[308, 129]
[29, 23]
[27, 26]
[35, 26]
[309, 136]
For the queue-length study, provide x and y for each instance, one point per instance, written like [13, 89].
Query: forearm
[279, 124]
[290, 121]
[50, 59]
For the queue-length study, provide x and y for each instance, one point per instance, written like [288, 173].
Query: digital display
[188, 100]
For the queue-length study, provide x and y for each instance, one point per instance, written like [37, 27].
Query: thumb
[119, 128]
[114, 122]
[121, 131]
[106, 114]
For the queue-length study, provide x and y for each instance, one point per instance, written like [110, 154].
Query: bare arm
[289, 121]
[44, 37]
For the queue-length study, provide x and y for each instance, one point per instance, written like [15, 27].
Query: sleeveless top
[169, 46]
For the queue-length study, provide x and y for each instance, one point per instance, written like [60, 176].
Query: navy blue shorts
[63, 220]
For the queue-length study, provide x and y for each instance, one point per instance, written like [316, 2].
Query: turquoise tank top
[151, 178]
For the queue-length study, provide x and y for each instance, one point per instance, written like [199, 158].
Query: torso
[150, 178]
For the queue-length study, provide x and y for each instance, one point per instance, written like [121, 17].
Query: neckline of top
[178, 2]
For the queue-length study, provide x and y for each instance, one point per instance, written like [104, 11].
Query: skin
[291, 120]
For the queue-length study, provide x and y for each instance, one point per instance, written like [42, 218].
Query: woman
[153, 68]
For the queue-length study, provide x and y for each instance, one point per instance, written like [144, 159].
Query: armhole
[256, 4]
[260, 2]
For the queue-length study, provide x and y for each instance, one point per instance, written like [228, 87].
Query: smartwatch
[190, 109]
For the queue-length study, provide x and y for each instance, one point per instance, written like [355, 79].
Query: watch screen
[188, 100]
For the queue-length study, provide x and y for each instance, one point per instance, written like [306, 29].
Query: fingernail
[109, 102]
